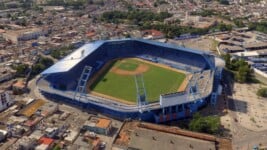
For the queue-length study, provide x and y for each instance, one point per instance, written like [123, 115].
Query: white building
[6, 74]
[5, 100]
[24, 34]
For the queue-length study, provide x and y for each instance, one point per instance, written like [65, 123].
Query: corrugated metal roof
[77, 56]
[73, 59]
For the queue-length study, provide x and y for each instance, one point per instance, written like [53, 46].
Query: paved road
[34, 92]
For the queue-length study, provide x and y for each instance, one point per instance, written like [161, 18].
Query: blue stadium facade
[60, 81]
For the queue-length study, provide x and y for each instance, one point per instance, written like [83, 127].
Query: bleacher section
[258, 60]
[202, 81]
[260, 66]
[173, 64]
[259, 63]
[183, 104]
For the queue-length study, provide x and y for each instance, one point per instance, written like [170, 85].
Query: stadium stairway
[82, 82]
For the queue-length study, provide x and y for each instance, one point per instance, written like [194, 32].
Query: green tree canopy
[134, 16]
[262, 92]
[209, 124]
[239, 67]
[42, 64]
[21, 69]
[258, 26]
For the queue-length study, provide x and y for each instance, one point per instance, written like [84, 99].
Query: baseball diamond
[119, 82]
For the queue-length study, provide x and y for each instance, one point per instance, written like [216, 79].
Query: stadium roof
[78, 55]
[73, 59]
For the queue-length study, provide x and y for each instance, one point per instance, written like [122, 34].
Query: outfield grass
[157, 80]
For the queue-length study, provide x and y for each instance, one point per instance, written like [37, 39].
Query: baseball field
[116, 80]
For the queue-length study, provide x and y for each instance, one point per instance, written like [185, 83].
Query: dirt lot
[251, 109]
[202, 43]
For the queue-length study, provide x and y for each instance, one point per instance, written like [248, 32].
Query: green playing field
[158, 80]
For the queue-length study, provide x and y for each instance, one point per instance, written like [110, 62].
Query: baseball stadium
[134, 79]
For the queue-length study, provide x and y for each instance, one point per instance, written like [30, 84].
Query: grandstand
[200, 67]
[259, 65]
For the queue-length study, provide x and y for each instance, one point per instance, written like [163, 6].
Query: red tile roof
[153, 32]
[46, 141]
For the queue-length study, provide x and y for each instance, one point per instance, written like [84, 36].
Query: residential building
[6, 74]
[5, 100]
[24, 34]
[98, 125]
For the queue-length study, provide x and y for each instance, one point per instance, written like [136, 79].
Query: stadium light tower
[141, 91]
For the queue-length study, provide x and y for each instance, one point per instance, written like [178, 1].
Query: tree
[57, 147]
[239, 23]
[227, 59]
[62, 51]
[42, 64]
[258, 26]
[239, 67]
[262, 92]
[242, 74]
[47, 62]
[224, 27]
[209, 124]
[224, 2]
[38, 68]
[21, 69]
[138, 16]
[56, 54]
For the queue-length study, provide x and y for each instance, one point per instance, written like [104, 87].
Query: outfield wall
[171, 99]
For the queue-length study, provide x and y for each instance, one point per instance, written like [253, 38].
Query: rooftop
[46, 141]
[231, 48]
[98, 122]
[153, 32]
[103, 123]
[255, 45]
[22, 31]
[138, 135]
[19, 84]
[30, 109]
